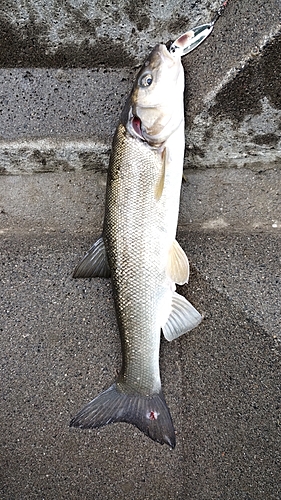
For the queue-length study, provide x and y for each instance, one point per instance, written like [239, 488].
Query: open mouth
[136, 124]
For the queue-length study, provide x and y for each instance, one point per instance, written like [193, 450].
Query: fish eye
[146, 80]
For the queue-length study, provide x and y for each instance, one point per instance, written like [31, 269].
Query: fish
[138, 248]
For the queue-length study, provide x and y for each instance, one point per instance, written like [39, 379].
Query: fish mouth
[137, 127]
[140, 132]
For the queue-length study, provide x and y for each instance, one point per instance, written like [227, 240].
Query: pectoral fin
[160, 185]
[183, 317]
[94, 264]
[178, 265]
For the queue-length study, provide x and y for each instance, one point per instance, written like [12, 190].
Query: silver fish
[139, 250]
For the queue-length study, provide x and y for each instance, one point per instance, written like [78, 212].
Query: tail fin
[149, 413]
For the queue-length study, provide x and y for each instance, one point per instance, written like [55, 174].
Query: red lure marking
[185, 37]
[152, 415]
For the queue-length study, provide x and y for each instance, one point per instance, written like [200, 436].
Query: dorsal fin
[94, 264]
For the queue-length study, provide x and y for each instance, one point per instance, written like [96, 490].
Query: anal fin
[94, 264]
[183, 318]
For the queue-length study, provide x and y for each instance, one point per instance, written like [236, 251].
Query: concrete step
[60, 346]
[238, 210]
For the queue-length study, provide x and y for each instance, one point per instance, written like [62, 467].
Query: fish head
[155, 107]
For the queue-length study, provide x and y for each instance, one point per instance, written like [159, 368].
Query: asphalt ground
[60, 347]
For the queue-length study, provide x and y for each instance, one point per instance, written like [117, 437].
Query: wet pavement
[60, 347]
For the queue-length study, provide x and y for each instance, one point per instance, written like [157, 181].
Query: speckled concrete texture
[65, 69]
[60, 347]
[80, 33]
[61, 103]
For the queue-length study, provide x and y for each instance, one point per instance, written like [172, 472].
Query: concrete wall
[89, 33]
[65, 69]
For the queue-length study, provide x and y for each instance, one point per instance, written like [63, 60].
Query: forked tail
[149, 413]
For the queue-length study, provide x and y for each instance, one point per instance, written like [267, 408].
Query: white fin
[94, 264]
[183, 317]
[178, 265]
[160, 185]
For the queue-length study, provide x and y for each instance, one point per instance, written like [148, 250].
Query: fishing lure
[194, 37]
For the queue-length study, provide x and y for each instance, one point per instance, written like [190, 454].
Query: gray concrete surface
[65, 70]
[86, 33]
[60, 346]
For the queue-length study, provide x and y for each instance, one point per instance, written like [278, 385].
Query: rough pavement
[60, 347]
